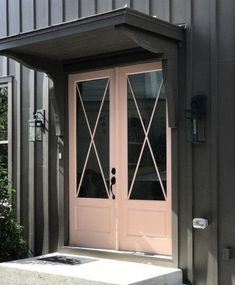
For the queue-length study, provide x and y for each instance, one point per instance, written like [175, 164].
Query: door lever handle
[113, 181]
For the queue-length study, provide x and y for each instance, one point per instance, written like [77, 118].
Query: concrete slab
[58, 269]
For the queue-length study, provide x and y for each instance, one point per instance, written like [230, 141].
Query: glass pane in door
[93, 139]
[146, 136]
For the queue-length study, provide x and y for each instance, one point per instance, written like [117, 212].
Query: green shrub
[12, 245]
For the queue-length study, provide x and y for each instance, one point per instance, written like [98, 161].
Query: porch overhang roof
[115, 31]
[117, 34]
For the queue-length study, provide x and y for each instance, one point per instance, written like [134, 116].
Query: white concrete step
[64, 269]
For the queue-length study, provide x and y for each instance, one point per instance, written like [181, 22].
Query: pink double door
[119, 159]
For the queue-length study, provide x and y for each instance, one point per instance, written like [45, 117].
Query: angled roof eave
[39, 42]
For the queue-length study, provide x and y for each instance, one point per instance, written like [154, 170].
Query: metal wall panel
[23, 115]
[14, 16]
[71, 9]
[226, 87]
[3, 18]
[32, 162]
[27, 15]
[201, 177]
[16, 73]
[28, 104]
[38, 187]
[104, 5]
[226, 122]
[57, 16]
[56, 11]
[142, 6]
[42, 13]
[121, 3]
[178, 11]
[161, 9]
[88, 7]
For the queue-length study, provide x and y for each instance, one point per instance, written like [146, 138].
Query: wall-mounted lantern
[196, 116]
[37, 126]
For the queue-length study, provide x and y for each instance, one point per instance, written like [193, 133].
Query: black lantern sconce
[196, 116]
[37, 126]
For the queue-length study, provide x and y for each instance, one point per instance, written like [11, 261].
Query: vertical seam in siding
[63, 10]
[95, 7]
[79, 9]
[20, 15]
[49, 12]
[150, 7]
[170, 11]
[214, 135]
[7, 18]
[34, 14]
[167, 10]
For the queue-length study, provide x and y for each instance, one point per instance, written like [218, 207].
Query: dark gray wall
[226, 143]
[206, 172]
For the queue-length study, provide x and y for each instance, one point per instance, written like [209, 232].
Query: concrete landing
[64, 269]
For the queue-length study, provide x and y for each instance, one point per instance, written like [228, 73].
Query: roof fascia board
[62, 30]
[154, 25]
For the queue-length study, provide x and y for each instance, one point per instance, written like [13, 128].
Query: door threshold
[141, 257]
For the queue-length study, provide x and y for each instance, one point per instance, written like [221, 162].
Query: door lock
[113, 181]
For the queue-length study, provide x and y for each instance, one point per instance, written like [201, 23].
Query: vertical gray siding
[179, 15]
[56, 11]
[71, 10]
[103, 6]
[120, 3]
[142, 6]
[27, 15]
[201, 154]
[226, 121]
[14, 22]
[208, 23]
[31, 153]
[23, 116]
[42, 13]
[88, 8]
[3, 18]
[161, 9]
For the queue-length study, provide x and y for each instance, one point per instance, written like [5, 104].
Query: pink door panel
[92, 210]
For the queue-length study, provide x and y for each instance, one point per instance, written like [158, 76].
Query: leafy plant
[12, 245]
[3, 112]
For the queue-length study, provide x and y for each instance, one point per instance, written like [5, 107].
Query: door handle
[113, 182]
